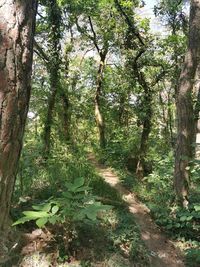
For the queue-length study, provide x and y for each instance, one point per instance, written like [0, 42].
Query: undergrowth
[109, 238]
[156, 191]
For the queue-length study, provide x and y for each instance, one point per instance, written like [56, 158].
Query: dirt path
[162, 250]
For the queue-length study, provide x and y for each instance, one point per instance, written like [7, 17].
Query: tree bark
[66, 117]
[17, 24]
[98, 113]
[54, 18]
[146, 126]
[185, 113]
[49, 116]
[99, 82]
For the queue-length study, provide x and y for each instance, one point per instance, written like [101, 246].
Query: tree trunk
[185, 113]
[54, 18]
[98, 113]
[197, 111]
[49, 116]
[146, 127]
[66, 116]
[170, 122]
[17, 23]
[197, 123]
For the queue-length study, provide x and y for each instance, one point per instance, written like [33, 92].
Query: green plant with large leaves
[75, 204]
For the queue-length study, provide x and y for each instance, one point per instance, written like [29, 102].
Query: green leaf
[183, 218]
[41, 222]
[82, 188]
[189, 218]
[53, 219]
[42, 207]
[91, 215]
[55, 209]
[35, 214]
[21, 221]
[92, 210]
[197, 207]
[78, 182]
[79, 216]
[67, 195]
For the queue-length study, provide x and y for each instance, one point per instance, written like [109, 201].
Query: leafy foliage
[75, 204]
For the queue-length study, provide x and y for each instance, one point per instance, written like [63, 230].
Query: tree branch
[40, 52]
[94, 35]
[129, 23]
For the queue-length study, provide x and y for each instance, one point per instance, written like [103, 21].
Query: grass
[113, 241]
[156, 191]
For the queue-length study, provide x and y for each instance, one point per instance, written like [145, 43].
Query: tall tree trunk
[164, 119]
[49, 116]
[66, 116]
[98, 113]
[17, 23]
[185, 113]
[146, 127]
[147, 114]
[197, 111]
[170, 121]
[54, 18]
[99, 82]
[197, 123]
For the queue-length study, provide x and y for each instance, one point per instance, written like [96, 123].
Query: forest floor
[125, 237]
[163, 252]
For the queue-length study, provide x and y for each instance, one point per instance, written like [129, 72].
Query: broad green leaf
[189, 218]
[42, 207]
[55, 209]
[197, 207]
[21, 221]
[67, 195]
[35, 214]
[53, 219]
[82, 189]
[41, 222]
[92, 215]
[78, 182]
[183, 218]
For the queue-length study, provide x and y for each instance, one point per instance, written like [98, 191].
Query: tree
[17, 20]
[138, 46]
[54, 19]
[99, 84]
[172, 15]
[100, 33]
[185, 113]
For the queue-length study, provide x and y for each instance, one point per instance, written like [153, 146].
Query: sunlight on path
[163, 253]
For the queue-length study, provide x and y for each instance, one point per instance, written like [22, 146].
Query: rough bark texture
[17, 20]
[185, 112]
[98, 114]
